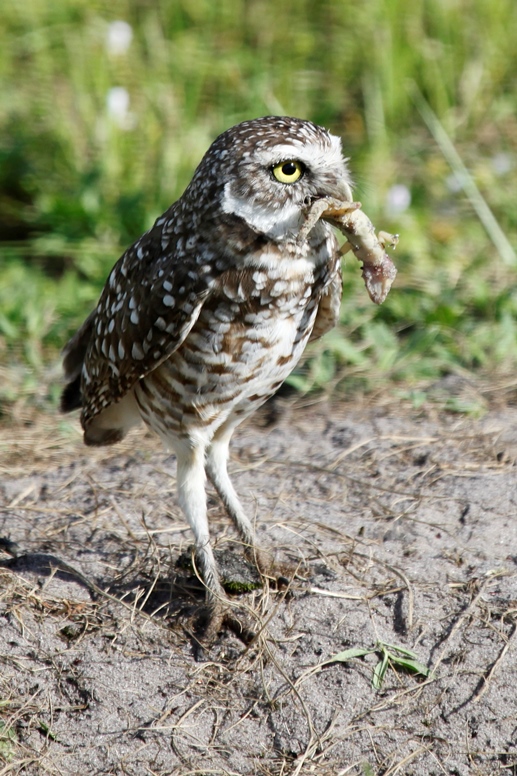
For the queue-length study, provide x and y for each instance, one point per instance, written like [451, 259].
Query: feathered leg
[192, 498]
[216, 468]
[191, 480]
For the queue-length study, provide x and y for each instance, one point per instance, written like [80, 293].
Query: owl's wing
[150, 302]
[328, 308]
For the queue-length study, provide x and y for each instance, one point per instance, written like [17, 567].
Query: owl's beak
[342, 191]
[339, 190]
[336, 188]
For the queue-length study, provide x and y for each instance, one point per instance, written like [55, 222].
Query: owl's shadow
[178, 592]
[172, 592]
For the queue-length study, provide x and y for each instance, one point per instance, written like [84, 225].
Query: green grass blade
[379, 672]
[413, 666]
[485, 215]
[396, 648]
[348, 654]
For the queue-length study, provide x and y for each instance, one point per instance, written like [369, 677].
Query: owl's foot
[237, 575]
[215, 618]
[243, 573]
[280, 573]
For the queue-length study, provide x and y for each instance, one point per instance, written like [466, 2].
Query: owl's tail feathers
[114, 421]
[100, 437]
[112, 424]
[71, 396]
[74, 354]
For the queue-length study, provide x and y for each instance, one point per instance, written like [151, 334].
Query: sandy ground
[403, 523]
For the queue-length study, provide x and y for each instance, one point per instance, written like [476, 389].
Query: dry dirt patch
[404, 525]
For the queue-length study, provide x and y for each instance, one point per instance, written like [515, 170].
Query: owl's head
[268, 170]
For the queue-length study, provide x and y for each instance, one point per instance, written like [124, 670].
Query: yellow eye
[288, 172]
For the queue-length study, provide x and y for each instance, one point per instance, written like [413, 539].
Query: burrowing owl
[204, 317]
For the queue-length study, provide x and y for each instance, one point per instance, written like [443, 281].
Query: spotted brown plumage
[204, 317]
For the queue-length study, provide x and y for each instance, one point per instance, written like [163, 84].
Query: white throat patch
[285, 222]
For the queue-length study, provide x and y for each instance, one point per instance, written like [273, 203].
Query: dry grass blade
[396, 768]
[461, 619]
[485, 681]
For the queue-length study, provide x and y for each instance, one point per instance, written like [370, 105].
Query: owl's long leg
[192, 498]
[219, 612]
[216, 468]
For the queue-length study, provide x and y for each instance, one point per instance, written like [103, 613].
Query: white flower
[117, 103]
[502, 163]
[118, 37]
[398, 199]
[454, 182]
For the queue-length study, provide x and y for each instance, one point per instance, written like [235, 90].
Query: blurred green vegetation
[102, 125]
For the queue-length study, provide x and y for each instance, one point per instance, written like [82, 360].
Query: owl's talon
[238, 624]
[212, 620]
[282, 573]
